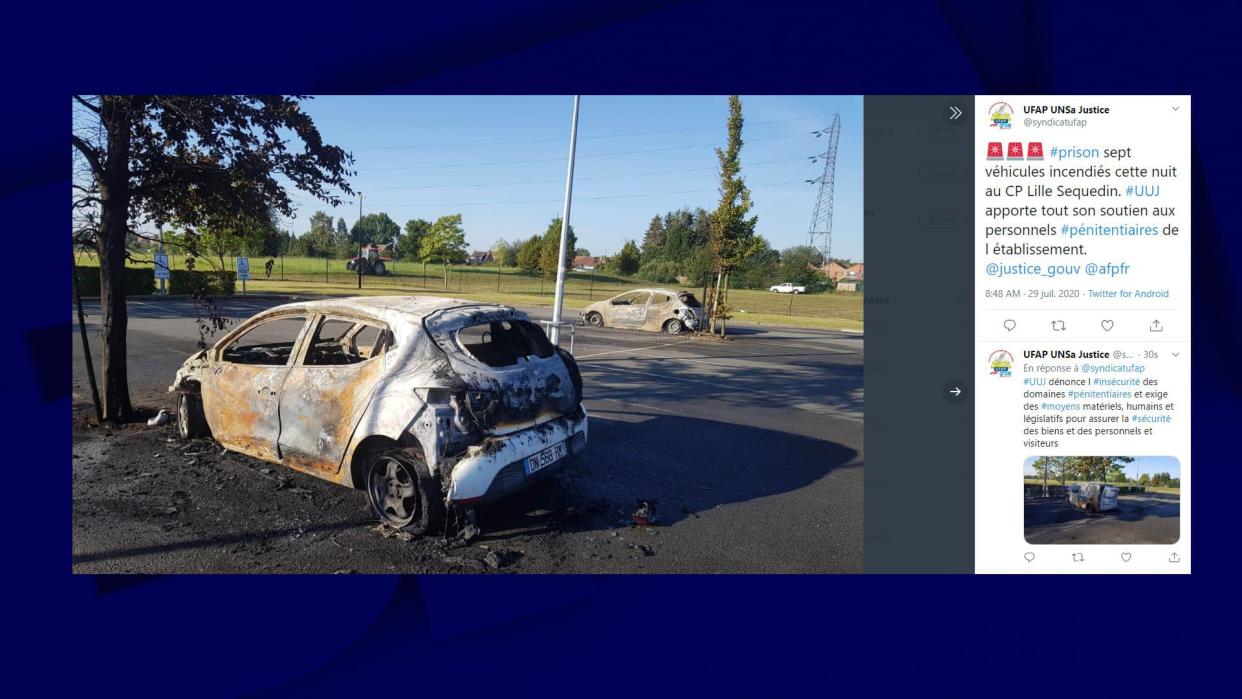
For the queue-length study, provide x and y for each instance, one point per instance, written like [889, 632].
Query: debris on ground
[471, 529]
[163, 417]
[389, 532]
[645, 515]
[499, 558]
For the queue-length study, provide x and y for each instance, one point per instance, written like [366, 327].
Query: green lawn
[304, 275]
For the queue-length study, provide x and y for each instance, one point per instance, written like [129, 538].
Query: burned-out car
[425, 403]
[657, 310]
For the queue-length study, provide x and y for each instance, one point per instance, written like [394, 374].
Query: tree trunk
[113, 228]
[724, 301]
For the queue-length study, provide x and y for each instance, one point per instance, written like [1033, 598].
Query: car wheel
[673, 327]
[378, 269]
[595, 319]
[403, 493]
[191, 422]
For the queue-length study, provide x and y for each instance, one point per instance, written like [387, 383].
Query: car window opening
[502, 343]
[267, 344]
[341, 342]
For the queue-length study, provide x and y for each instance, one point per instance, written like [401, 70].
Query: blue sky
[1141, 464]
[500, 162]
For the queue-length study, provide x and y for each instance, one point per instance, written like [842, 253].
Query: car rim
[673, 327]
[392, 491]
[595, 319]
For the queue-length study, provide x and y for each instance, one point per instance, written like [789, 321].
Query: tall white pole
[560, 263]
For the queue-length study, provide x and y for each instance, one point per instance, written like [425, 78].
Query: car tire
[379, 270]
[595, 319]
[674, 326]
[191, 421]
[403, 493]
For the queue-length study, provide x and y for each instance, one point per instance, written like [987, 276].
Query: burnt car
[424, 403]
[657, 310]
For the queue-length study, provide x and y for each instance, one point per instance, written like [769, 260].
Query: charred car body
[1093, 497]
[657, 310]
[423, 402]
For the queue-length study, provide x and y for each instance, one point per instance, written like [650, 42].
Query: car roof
[388, 308]
[662, 290]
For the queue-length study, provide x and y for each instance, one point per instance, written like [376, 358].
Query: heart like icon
[1030, 556]
[1125, 556]
[1107, 325]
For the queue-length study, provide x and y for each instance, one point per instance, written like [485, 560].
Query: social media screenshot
[1082, 334]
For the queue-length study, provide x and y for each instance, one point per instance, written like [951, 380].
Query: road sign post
[161, 271]
[243, 271]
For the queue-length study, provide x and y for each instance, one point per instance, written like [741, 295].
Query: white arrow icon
[956, 391]
[954, 112]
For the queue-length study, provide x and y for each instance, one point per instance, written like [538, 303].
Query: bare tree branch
[86, 104]
[90, 154]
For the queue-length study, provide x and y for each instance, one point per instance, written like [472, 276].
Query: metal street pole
[360, 252]
[560, 261]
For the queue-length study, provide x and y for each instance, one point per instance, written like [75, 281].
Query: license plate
[545, 458]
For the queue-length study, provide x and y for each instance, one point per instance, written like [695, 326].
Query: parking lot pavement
[752, 447]
[1153, 518]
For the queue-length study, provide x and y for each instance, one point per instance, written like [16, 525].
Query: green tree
[654, 239]
[758, 270]
[319, 241]
[552, 247]
[528, 254]
[341, 243]
[800, 265]
[374, 228]
[505, 253]
[444, 241]
[732, 231]
[627, 261]
[196, 161]
[410, 242]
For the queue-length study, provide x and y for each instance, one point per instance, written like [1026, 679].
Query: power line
[597, 177]
[561, 138]
[554, 201]
[550, 160]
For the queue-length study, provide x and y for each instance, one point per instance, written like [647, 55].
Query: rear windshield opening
[504, 342]
[689, 300]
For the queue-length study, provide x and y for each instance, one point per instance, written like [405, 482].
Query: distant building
[480, 257]
[587, 263]
[837, 272]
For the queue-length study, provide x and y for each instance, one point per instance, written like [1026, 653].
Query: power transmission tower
[821, 220]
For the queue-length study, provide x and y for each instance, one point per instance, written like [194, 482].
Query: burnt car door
[242, 387]
[629, 310]
[327, 390]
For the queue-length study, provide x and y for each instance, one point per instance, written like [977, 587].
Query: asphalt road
[753, 449]
[1153, 518]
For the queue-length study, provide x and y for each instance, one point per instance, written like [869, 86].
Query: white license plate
[545, 458]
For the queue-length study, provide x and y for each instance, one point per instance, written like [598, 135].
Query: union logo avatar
[1001, 363]
[1001, 115]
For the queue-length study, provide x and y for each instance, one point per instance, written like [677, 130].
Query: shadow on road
[730, 464]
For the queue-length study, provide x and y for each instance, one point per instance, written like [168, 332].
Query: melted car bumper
[499, 466]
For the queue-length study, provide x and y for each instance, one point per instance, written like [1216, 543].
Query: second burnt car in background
[423, 402]
[657, 310]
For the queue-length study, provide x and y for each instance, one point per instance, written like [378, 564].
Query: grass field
[1150, 488]
[305, 275]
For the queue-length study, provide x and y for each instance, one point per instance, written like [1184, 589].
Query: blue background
[605, 635]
